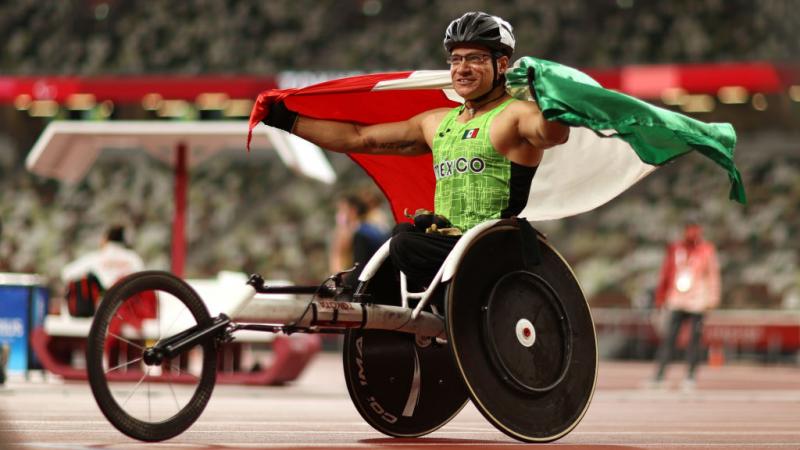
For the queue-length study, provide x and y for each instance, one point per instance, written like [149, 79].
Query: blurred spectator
[355, 239]
[4, 348]
[375, 214]
[112, 261]
[689, 286]
[99, 37]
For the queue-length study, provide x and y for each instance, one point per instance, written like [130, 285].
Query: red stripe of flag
[407, 182]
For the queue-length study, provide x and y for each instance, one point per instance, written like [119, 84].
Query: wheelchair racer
[485, 152]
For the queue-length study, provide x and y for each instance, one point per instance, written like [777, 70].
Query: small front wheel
[147, 399]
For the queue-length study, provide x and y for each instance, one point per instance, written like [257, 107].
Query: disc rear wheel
[522, 337]
[401, 385]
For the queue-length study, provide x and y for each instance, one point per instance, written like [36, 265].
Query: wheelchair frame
[367, 317]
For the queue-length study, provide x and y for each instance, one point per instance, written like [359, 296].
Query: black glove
[280, 117]
[423, 219]
[531, 77]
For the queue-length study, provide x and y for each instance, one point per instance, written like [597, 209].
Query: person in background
[111, 262]
[376, 215]
[4, 348]
[355, 239]
[689, 287]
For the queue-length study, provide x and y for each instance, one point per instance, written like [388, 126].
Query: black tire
[401, 387]
[534, 389]
[126, 390]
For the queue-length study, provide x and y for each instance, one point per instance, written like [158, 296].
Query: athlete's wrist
[281, 117]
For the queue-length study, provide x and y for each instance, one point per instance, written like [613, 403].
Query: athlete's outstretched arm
[397, 138]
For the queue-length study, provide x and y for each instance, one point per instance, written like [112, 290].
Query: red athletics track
[733, 407]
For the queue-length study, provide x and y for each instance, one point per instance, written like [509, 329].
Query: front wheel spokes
[135, 388]
[174, 396]
[116, 336]
[125, 364]
[181, 371]
[149, 404]
[169, 328]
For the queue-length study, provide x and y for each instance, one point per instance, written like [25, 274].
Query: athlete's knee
[399, 245]
[403, 227]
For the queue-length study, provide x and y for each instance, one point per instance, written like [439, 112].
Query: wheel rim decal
[413, 395]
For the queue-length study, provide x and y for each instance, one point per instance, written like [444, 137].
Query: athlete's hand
[520, 77]
[531, 88]
[262, 107]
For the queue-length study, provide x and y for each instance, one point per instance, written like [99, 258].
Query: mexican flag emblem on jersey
[471, 134]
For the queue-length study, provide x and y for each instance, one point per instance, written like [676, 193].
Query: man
[688, 287]
[355, 239]
[110, 263]
[485, 152]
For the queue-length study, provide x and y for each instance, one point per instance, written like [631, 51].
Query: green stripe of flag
[657, 135]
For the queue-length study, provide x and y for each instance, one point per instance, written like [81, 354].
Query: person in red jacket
[688, 287]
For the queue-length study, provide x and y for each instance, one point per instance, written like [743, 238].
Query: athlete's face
[471, 70]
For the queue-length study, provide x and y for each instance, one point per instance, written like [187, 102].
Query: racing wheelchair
[510, 330]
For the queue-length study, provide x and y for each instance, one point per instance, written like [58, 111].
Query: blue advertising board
[23, 305]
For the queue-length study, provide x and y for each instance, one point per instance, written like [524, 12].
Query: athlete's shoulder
[523, 107]
[433, 117]
[431, 113]
[437, 112]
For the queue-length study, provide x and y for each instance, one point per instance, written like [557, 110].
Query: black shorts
[418, 254]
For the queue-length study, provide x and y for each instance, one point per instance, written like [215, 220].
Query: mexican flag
[615, 139]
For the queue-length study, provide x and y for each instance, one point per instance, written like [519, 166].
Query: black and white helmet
[482, 29]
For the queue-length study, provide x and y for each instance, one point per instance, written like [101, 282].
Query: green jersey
[474, 182]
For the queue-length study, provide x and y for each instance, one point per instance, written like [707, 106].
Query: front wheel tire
[146, 401]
